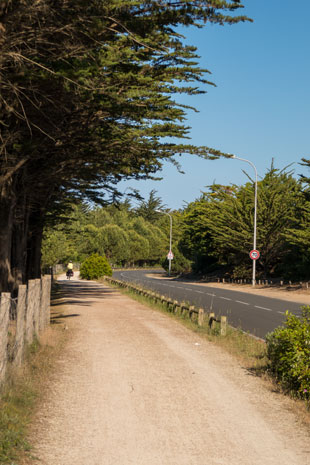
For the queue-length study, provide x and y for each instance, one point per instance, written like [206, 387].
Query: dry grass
[23, 391]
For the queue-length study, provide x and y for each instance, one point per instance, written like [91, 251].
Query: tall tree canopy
[87, 96]
[218, 227]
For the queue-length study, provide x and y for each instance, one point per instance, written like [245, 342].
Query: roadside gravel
[135, 387]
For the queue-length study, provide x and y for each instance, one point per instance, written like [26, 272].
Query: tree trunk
[33, 268]
[7, 204]
[19, 242]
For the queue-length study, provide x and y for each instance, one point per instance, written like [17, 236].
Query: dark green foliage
[125, 238]
[95, 267]
[195, 241]
[288, 349]
[147, 208]
[218, 228]
[179, 264]
[89, 97]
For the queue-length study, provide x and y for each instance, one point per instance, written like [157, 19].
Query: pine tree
[88, 98]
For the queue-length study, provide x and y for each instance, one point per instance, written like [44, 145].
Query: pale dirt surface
[136, 387]
[291, 293]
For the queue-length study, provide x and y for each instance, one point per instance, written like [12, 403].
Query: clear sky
[260, 108]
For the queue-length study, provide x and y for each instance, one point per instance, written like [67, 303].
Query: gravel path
[135, 387]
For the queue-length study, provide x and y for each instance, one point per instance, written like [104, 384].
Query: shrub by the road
[94, 267]
[179, 264]
[288, 349]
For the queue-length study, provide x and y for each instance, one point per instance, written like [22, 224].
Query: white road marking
[200, 292]
[282, 313]
[240, 302]
[263, 308]
[187, 289]
[224, 298]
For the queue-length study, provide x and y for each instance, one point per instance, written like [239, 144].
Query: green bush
[179, 264]
[94, 267]
[288, 349]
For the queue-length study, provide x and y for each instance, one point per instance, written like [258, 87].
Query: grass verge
[22, 392]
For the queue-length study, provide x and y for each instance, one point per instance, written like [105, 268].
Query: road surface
[255, 314]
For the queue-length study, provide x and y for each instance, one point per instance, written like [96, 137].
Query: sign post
[170, 257]
[254, 254]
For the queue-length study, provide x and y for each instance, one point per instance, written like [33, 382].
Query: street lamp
[255, 208]
[170, 241]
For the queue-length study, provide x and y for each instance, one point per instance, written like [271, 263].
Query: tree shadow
[78, 293]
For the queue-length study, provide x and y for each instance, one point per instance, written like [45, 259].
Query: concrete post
[5, 304]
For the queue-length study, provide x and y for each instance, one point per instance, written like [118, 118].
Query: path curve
[136, 387]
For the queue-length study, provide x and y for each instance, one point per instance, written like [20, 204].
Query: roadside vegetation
[20, 396]
[288, 350]
[94, 267]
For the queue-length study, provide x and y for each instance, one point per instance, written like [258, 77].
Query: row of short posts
[22, 319]
[198, 315]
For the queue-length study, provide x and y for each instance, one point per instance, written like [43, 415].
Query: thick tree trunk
[7, 204]
[34, 245]
[19, 242]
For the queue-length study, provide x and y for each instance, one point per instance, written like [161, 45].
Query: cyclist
[69, 270]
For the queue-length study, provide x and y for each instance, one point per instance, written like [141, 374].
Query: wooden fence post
[5, 304]
[201, 314]
[30, 310]
[191, 311]
[37, 306]
[223, 325]
[20, 324]
[211, 320]
[47, 310]
[45, 302]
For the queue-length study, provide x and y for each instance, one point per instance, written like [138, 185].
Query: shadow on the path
[79, 293]
[56, 319]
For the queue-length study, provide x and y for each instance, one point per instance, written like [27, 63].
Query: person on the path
[69, 269]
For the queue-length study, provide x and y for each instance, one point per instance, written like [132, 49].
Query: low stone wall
[22, 319]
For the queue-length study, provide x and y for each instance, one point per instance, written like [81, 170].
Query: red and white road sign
[170, 255]
[254, 254]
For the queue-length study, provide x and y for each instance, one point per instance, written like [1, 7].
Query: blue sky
[260, 108]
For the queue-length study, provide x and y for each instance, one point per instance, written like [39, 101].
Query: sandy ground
[135, 387]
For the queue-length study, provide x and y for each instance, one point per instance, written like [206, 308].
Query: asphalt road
[255, 314]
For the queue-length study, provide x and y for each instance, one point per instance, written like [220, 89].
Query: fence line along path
[22, 319]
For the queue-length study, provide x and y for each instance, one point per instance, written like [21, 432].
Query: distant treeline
[212, 235]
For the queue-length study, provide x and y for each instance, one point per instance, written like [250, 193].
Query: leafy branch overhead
[89, 97]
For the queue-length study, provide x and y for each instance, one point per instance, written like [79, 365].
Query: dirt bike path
[135, 387]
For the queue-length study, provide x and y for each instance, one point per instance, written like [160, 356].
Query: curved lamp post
[255, 214]
[170, 240]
